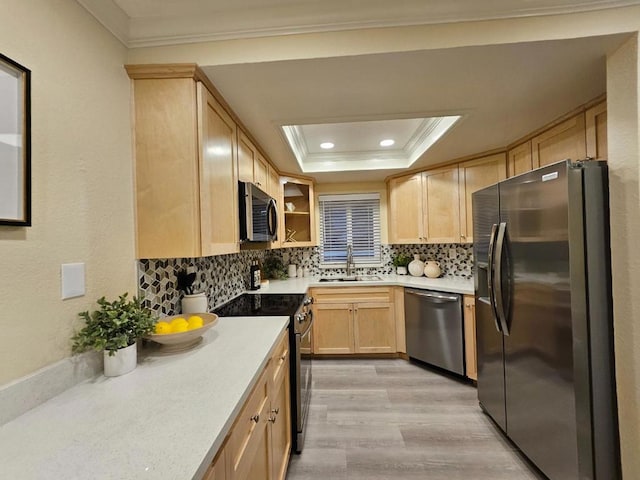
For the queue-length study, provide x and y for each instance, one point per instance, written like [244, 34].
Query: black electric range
[262, 305]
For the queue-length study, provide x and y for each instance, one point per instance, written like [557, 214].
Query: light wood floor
[390, 419]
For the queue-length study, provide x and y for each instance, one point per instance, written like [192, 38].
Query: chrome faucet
[349, 259]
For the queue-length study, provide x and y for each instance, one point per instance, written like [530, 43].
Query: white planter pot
[123, 361]
[196, 303]
[401, 270]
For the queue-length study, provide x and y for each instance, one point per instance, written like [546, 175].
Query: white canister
[195, 303]
[300, 272]
[123, 361]
[306, 272]
[293, 270]
[416, 267]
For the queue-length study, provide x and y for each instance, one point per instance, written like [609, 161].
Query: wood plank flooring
[391, 419]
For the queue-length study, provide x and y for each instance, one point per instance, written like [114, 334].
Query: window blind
[354, 220]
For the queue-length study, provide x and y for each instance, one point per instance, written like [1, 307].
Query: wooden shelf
[296, 213]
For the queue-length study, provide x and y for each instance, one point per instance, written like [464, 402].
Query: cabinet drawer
[246, 435]
[352, 294]
[280, 359]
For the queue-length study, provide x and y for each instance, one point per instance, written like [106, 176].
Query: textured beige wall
[82, 180]
[623, 125]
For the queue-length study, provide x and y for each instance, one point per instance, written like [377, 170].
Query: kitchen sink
[359, 278]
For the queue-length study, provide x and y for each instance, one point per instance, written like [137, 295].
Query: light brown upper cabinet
[185, 166]
[405, 209]
[297, 221]
[441, 205]
[596, 131]
[252, 167]
[474, 175]
[519, 159]
[564, 141]
[424, 207]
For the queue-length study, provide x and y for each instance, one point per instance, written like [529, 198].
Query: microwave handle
[272, 217]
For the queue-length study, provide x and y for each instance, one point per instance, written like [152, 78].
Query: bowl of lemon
[181, 332]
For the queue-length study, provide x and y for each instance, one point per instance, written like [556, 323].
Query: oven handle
[303, 334]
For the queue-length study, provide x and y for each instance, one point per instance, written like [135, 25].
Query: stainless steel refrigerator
[544, 318]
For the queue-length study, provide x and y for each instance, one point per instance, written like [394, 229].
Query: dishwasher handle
[434, 296]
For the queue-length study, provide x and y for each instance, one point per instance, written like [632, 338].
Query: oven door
[303, 380]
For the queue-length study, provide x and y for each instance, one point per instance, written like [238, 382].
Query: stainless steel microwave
[258, 214]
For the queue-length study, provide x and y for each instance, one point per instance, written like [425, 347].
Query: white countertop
[443, 284]
[164, 420]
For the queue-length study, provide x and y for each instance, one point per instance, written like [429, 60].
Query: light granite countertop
[443, 284]
[164, 420]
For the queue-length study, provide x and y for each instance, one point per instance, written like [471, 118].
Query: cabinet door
[246, 157]
[405, 209]
[474, 175]
[470, 352]
[566, 140]
[374, 328]
[280, 425]
[596, 127]
[519, 159]
[441, 205]
[333, 328]
[249, 445]
[166, 168]
[218, 468]
[261, 173]
[218, 184]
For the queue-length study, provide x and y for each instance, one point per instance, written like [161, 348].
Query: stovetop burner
[261, 305]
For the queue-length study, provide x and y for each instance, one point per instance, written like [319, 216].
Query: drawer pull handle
[255, 418]
[276, 411]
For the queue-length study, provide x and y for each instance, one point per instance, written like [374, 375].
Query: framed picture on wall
[15, 143]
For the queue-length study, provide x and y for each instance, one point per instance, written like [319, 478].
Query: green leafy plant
[401, 260]
[115, 325]
[274, 268]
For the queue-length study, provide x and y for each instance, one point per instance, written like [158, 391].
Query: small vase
[401, 270]
[432, 269]
[416, 267]
[195, 303]
[123, 361]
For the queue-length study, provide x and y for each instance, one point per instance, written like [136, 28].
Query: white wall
[623, 130]
[82, 180]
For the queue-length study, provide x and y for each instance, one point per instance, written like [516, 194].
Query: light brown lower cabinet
[364, 324]
[470, 351]
[259, 443]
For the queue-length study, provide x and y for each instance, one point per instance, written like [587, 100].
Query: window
[350, 220]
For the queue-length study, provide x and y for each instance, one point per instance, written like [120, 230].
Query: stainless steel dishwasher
[434, 328]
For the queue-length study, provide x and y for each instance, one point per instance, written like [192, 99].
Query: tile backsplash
[223, 277]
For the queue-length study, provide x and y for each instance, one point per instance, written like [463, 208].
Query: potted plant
[114, 329]
[191, 302]
[400, 261]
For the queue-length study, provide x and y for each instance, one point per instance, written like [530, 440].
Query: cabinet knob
[255, 418]
[272, 419]
[283, 357]
[276, 411]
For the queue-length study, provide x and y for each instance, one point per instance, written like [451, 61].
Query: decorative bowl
[176, 342]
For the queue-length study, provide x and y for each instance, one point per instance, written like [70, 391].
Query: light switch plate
[452, 253]
[72, 280]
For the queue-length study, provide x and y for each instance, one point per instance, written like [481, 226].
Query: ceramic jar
[196, 303]
[416, 267]
[432, 269]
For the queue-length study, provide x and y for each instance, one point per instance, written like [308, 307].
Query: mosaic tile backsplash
[225, 276]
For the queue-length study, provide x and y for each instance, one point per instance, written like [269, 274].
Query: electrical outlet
[452, 253]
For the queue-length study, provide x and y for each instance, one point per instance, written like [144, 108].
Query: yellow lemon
[179, 327]
[162, 328]
[177, 321]
[195, 322]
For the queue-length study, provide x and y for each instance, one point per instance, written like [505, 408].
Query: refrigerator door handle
[498, 298]
[490, 274]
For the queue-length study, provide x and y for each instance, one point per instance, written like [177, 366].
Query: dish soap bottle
[255, 276]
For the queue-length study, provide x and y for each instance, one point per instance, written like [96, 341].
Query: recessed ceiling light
[327, 145]
[387, 142]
